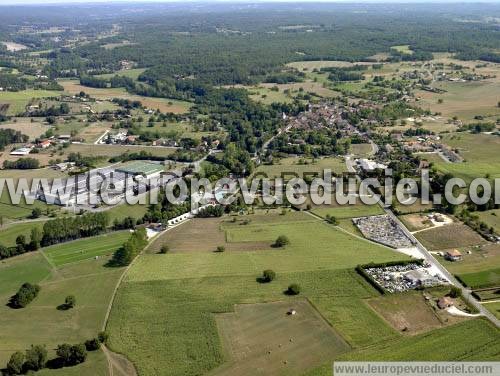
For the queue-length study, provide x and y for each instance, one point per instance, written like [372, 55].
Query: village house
[44, 144]
[453, 255]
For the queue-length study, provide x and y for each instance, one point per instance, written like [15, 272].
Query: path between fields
[118, 361]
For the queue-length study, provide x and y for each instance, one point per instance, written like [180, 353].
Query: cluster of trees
[62, 109]
[211, 211]
[21, 164]
[415, 55]
[132, 247]
[36, 357]
[24, 296]
[385, 114]
[345, 74]
[164, 210]
[417, 132]
[91, 81]
[22, 246]
[178, 155]
[12, 82]
[64, 229]
[281, 241]
[478, 127]
[80, 160]
[125, 223]
[10, 136]
[315, 143]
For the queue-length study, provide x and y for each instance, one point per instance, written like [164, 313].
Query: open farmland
[192, 324]
[491, 218]
[169, 283]
[162, 104]
[411, 313]
[455, 235]
[475, 259]
[494, 308]
[9, 233]
[310, 242]
[348, 211]
[482, 279]
[131, 73]
[416, 222]
[116, 150]
[32, 129]
[18, 100]
[463, 99]
[291, 345]
[84, 249]
[467, 341]
[480, 152]
[202, 235]
[292, 167]
[41, 322]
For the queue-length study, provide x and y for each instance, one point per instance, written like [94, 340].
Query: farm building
[44, 144]
[146, 169]
[21, 151]
[369, 165]
[453, 255]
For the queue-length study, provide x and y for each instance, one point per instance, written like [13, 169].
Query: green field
[491, 218]
[120, 212]
[480, 152]
[131, 73]
[85, 249]
[471, 340]
[485, 278]
[494, 308]
[187, 287]
[348, 211]
[8, 234]
[314, 245]
[41, 322]
[290, 167]
[404, 49]
[18, 100]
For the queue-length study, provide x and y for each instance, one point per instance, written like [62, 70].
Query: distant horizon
[83, 2]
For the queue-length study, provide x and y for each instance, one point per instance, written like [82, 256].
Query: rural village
[95, 286]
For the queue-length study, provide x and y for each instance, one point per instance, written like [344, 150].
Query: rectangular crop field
[263, 336]
[84, 249]
[455, 235]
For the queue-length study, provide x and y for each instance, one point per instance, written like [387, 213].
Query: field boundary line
[115, 290]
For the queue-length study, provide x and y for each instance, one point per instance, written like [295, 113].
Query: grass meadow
[84, 249]
[162, 104]
[42, 322]
[184, 291]
[18, 100]
[291, 167]
[9, 233]
[480, 152]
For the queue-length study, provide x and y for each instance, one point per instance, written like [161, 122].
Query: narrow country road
[467, 293]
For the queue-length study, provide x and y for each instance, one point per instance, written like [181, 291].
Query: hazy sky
[19, 2]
